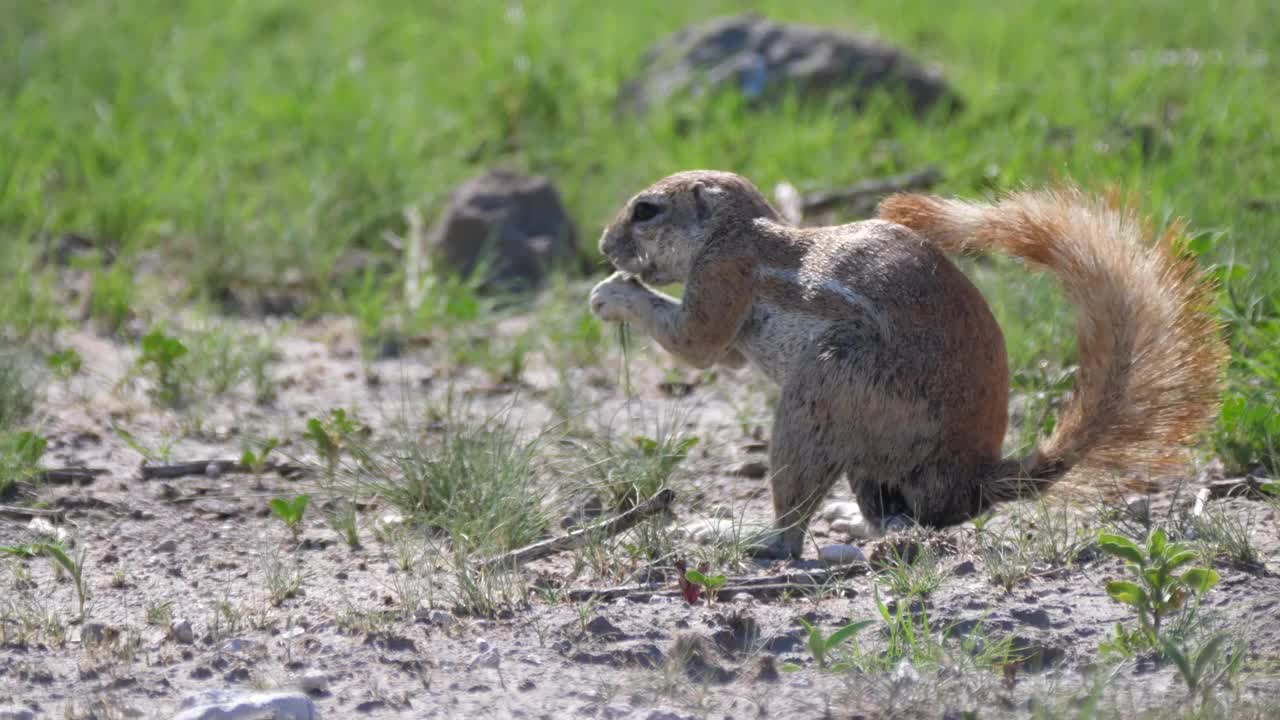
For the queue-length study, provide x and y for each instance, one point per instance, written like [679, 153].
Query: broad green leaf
[1121, 547]
[1177, 560]
[280, 507]
[1126, 592]
[711, 582]
[1200, 579]
[1156, 543]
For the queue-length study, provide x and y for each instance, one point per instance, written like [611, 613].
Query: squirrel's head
[660, 231]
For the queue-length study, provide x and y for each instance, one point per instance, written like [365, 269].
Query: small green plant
[334, 433]
[907, 577]
[710, 583]
[111, 300]
[820, 646]
[17, 394]
[626, 473]
[290, 511]
[20, 455]
[160, 613]
[160, 356]
[159, 454]
[1162, 582]
[1200, 671]
[64, 363]
[60, 558]
[257, 461]
[344, 521]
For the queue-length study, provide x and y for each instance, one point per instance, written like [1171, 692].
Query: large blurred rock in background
[515, 223]
[763, 59]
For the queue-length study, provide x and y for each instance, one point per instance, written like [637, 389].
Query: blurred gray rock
[763, 59]
[249, 706]
[515, 222]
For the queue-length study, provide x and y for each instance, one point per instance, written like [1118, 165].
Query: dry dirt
[201, 550]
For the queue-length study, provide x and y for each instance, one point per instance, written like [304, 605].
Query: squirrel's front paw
[612, 299]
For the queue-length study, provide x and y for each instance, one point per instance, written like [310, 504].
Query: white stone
[182, 631]
[841, 510]
[13, 712]
[852, 528]
[44, 528]
[249, 706]
[314, 682]
[841, 554]
[488, 658]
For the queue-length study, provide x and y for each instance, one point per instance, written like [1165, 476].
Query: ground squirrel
[891, 365]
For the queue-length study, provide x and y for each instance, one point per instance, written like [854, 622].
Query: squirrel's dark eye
[644, 211]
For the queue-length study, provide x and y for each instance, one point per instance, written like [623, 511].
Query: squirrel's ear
[704, 199]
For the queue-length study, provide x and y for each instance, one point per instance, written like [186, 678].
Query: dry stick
[800, 583]
[71, 475]
[577, 538]
[862, 198]
[22, 513]
[201, 467]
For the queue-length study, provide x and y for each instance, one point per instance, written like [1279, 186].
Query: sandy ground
[179, 574]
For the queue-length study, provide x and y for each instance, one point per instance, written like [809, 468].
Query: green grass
[253, 144]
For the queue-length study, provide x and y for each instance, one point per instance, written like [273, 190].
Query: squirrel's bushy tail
[1151, 353]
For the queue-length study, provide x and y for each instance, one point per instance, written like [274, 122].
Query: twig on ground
[24, 513]
[581, 536]
[800, 583]
[71, 475]
[214, 467]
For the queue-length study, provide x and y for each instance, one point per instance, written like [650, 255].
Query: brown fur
[892, 367]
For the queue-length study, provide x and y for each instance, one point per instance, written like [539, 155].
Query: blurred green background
[257, 143]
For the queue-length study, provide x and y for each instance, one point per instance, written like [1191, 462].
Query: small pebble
[182, 631]
[213, 470]
[242, 706]
[314, 682]
[841, 510]
[841, 554]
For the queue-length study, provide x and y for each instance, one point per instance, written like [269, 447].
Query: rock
[1139, 508]
[616, 711]
[840, 554]
[842, 511]
[314, 682]
[708, 530]
[240, 646]
[905, 674]
[213, 471]
[764, 59]
[1035, 617]
[181, 631]
[167, 546]
[443, 618]
[486, 659]
[389, 521]
[852, 528]
[47, 530]
[13, 712]
[754, 469]
[601, 628]
[249, 706]
[519, 221]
